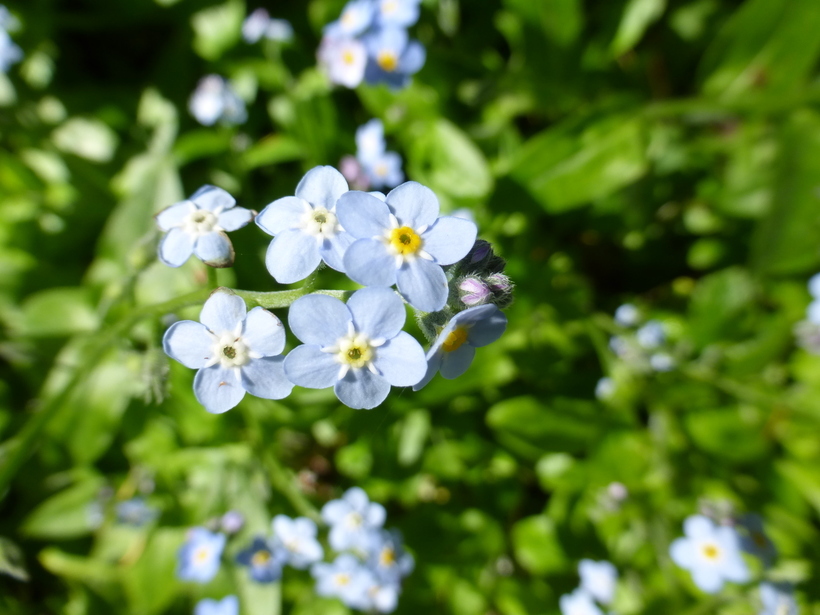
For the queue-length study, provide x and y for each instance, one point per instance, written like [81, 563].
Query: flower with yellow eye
[710, 552]
[199, 557]
[343, 59]
[392, 58]
[403, 241]
[356, 17]
[454, 348]
[296, 540]
[264, 563]
[397, 13]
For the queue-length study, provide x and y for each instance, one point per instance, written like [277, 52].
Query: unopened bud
[473, 291]
[502, 289]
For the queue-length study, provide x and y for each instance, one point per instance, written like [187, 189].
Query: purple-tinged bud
[354, 173]
[473, 292]
[502, 289]
[480, 250]
[232, 521]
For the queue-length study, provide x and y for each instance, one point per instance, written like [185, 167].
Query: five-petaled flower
[387, 557]
[777, 599]
[352, 520]
[229, 605]
[234, 350]
[598, 579]
[264, 563]
[397, 13]
[403, 241]
[710, 552]
[345, 579]
[198, 559]
[454, 348]
[215, 100]
[392, 58]
[198, 224]
[359, 349]
[579, 602]
[296, 540]
[305, 227]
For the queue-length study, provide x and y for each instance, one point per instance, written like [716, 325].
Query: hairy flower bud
[472, 291]
[502, 289]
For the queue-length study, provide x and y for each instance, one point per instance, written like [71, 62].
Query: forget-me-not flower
[397, 13]
[387, 557]
[232, 521]
[662, 362]
[403, 241]
[259, 24]
[306, 228]
[344, 59]
[215, 100]
[229, 605]
[352, 520]
[454, 348]
[359, 349]
[754, 540]
[627, 315]
[198, 559]
[345, 579]
[381, 168]
[711, 553]
[356, 17]
[264, 563]
[777, 599]
[136, 512]
[392, 58]
[296, 540]
[234, 350]
[198, 225]
[9, 52]
[598, 579]
[605, 388]
[651, 335]
[579, 602]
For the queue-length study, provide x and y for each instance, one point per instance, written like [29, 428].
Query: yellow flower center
[388, 61]
[405, 240]
[199, 222]
[260, 558]
[348, 57]
[201, 554]
[342, 579]
[455, 339]
[711, 551]
[389, 7]
[387, 557]
[355, 351]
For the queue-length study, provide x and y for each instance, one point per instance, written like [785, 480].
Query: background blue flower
[200, 557]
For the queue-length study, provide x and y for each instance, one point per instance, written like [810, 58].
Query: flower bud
[472, 292]
[502, 288]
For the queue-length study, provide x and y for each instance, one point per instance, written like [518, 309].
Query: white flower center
[321, 223]
[229, 350]
[200, 222]
[389, 7]
[354, 350]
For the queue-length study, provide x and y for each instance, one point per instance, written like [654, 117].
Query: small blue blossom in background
[345, 579]
[199, 558]
[627, 315]
[198, 225]
[662, 362]
[229, 605]
[651, 335]
[359, 349]
[754, 540]
[214, 100]
[403, 241]
[711, 553]
[305, 227]
[343, 60]
[232, 521]
[352, 520]
[598, 579]
[263, 562]
[381, 169]
[356, 17]
[392, 58]
[259, 24]
[386, 555]
[295, 540]
[454, 348]
[579, 602]
[605, 388]
[136, 512]
[777, 599]
[397, 13]
[9, 52]
[234, 350]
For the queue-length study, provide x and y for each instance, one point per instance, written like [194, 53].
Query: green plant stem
[284, 298]
[212, 281]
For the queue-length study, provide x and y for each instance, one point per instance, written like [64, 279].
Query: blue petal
[309, 367]
[265, 378]
[401, 361]
[176, 247]
[212, 198]
[222, 312]
[423, 284]
[281, 215]
[368, 262]
[332, 250]
[188, 342]
[449, 239]
[456, 362]
[263, 332]
[363, 215]
[486, 324]
[361, 389]
[234, 218]
[386, 39]
[414, 205]
[378, 312]
[218, 389]
[292, 256]
[413, 58]
[322, 187]
[433, 365]
[319, 319]
[174, 215]
[214, 249]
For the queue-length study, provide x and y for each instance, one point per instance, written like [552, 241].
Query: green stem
[212, 282]
[284, 298]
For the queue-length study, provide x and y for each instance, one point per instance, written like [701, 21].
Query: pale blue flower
[296, 540]
[662, 362]
[305, 227]
[198, 559]
[387, 557]
[814, 286]
[627, 315]
[234, 350]
[605, 388]
[403, 241]
[345, 579]
[711, 553]
[198, 225]
[754, 540]
[136, 512]
[259, 24]
[651, 335]
[352, 520]
[359, 349]
[381, 168]
[215, 100]
[777, 599]
[382, 595]
[232, 521]
[264, 562]
[598, 579]
[9, 52]
[454, 348]
[356, 17]
[579, 602]
[813, 312]
[392, 58]
[370, 144]
[229, 605]
[343, 59]
[397, 13]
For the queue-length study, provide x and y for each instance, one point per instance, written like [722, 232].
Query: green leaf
[67, 514]
[536, 545]
[570, 165]
[87, 138]
[414, 431]
[58, 312]
[201, 144]
[258, 598]
[11, 560]
[637, 17]
[355, 460]
[728, 432]
[717, 303]
[561, 20]
[218, 28]
[151, 584]
[272, 150]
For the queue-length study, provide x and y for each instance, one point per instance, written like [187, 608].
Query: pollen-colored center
[342, 579]
[387, 557]
[260, 558]
[348, 18]
[454, 339]
[348, 57]
[711, 551]
[387, 61]
[320, 223]
[381, 170]
[201, 555]
[405, 240]
[389, 7]
[199, 222]
[355, 351]
[229, 352]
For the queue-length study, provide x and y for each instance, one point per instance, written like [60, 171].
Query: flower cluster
[215, 100]
[373, 166]
[358, 347]
[9, 52]
[369, 41]
[598, 581]
[260, 24]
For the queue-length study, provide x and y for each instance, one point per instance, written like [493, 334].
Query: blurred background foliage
[662, 152]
